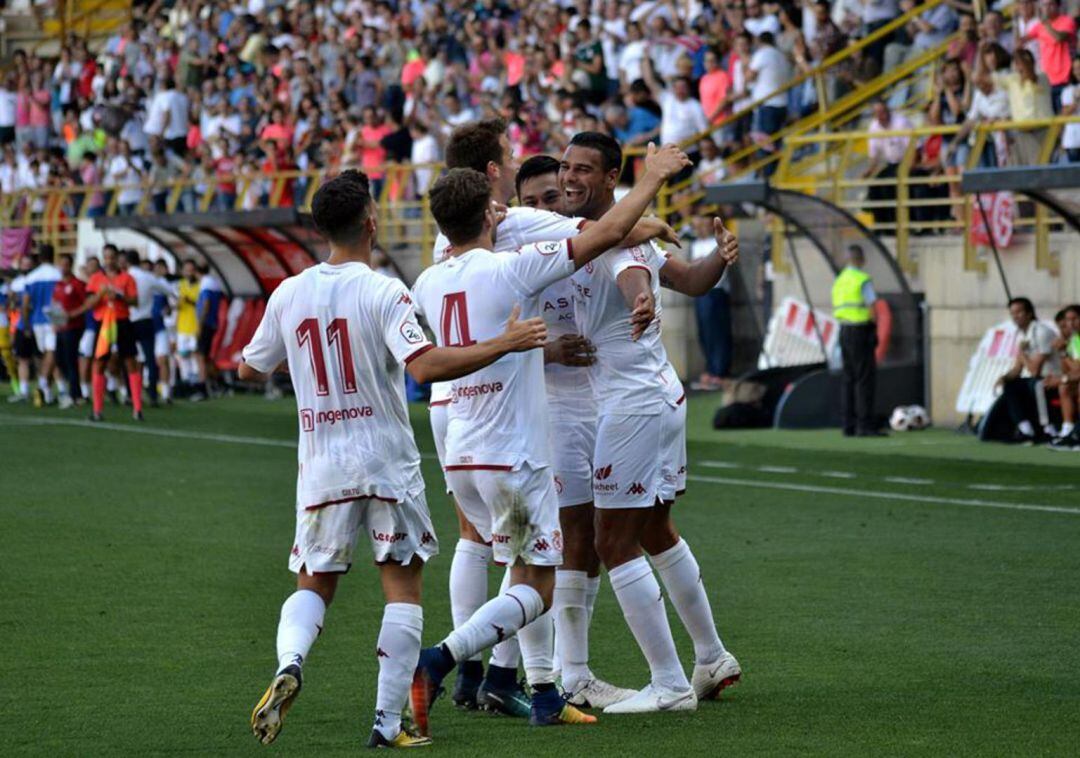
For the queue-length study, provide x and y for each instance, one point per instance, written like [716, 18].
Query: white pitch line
[907, 480]
[837, 474]
[778, 469]
[720, 464]
[885, 495]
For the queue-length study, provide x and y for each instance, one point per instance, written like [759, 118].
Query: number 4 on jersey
[455, 321]
[337, 336]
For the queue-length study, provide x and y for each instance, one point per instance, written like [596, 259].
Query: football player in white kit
[640, 454]
[483, 146]
[345, 333]
[497, 445]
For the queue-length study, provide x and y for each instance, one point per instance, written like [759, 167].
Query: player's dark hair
[46, 253]
[341, 207]
[604, 144]
[1074, 308]
[110, 246]
[1025, 303]
[67, 257]
[538, 165]
[475, 145]
[459, 201]
[857, 254]
[133, 257]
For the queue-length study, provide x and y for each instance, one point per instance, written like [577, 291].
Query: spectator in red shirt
[1056, 34]
[372, 153]
[714, 88]
[69, 295]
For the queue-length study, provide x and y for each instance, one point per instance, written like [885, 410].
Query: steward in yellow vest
[853, 300]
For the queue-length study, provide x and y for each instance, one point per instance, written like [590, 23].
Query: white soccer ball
[918, 418]
[900, 420]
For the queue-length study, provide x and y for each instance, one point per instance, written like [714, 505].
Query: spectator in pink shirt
[372, 153]
[90, 176]
[1056, 35]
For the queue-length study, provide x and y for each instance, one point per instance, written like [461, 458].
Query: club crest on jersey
[411, 332]
[549, 248]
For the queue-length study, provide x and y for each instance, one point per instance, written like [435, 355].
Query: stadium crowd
[212, 91]
[53, 328]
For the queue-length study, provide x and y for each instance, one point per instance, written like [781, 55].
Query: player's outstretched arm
[660, 165]
[443, 364]
[697, 278]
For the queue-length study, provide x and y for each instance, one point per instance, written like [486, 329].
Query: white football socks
[496, 620]
[301, 621]
[24, 388]
[592, 589]
[537, 642]
[507, 654]
[85, 390]
[642, 604]
[46, 392]
[398, 650]
[572, 627]
[468, 580]
[681, 575]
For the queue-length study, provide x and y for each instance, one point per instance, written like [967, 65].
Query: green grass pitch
[878, 601]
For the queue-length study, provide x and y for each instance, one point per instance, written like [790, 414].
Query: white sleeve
[401, 330]
[525, 226]
[638, 256]
[537, 266]
[267, 347]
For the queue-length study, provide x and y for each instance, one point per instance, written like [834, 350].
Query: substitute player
[345, 333]
[38, 308]
[111, 293]
[640, 455]
[187, 325]
[497, 444]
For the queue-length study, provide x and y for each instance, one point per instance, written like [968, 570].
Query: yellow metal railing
[930, 193]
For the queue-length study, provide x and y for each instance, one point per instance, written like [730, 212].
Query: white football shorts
[640, 459]
[517, 511]
[440, 417]
[573, 440]
[161, 343]
[186, 344]
[326, 536]
[45, 337]
[87, 343]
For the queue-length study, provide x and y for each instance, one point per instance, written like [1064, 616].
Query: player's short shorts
[573, 440]
[87, 342]
[517, 511]
[186, 344]
[326, 536]
[45, 337]
[25, 345]
[440, 416]
[161, 343]
[640, 459]
[206, 340]
[125, 345]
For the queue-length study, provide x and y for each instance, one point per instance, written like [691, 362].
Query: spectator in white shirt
[989, 103]
[8, 107]
[757, 22]
[769, 70]
[886, 153]
[682, 117]
[425, 150]
[125, 172]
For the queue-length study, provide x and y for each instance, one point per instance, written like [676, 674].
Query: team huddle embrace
[559, 424]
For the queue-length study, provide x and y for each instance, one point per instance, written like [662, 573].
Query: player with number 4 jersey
[345, 333]
[497, 446]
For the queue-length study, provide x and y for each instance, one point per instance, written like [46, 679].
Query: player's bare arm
[443, 364]
[635, 287]
[698, 277]
[660, 165]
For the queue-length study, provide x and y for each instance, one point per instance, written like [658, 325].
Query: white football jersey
[629, 378]
[568, 387]
[347, 333]
[522, 226]
[497, 415]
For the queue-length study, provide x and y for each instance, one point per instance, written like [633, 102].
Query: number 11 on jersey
[309, 335]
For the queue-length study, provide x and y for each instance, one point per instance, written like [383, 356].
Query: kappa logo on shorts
[426, 537]
[637, 488]
[541, 545]
[603, 473]
[296, 550]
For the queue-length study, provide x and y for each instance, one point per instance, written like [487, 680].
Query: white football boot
[596, 693]
[709, 680]
[653, 699]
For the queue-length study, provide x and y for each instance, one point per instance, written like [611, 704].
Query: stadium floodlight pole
[993, 247]
[806, 294]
